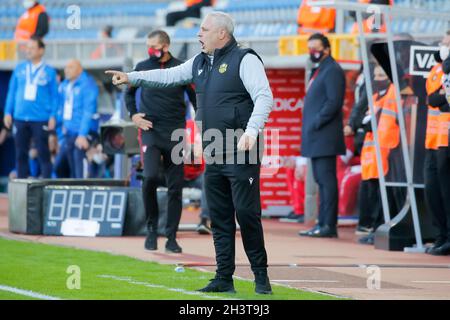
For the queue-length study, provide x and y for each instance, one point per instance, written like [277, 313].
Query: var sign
[422, 60]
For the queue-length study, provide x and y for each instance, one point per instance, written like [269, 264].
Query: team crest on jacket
[223, 68]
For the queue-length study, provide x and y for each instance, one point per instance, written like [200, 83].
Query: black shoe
[262, 283]
[363, 231]
[173, 247]
[219, 284]
[151, 242]
[439, 242]
[443, 250]
[203, 228]
[309, 232]
[369, 239]
[292, 217]
[325, 232]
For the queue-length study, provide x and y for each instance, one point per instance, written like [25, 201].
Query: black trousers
[443, 164]
[230, 189]
[324, 171]
[437, 189]
[27, 131]
[174, 174]
[369, 204]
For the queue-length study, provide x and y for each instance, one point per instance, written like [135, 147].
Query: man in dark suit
[322, 131]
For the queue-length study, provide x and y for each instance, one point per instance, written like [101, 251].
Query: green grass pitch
[43, 269]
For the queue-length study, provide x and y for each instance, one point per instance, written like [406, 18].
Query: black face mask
[381, 86]
[316, 55]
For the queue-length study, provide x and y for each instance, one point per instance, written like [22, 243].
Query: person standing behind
[33, 22]
[161, 111]
[370, 205]
[32, 103]
[437, 168]
[322, 131]
[313, 19]
[79, 94]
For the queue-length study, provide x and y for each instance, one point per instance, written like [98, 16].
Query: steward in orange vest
[433, 84]
[369, 168]
[312, 19]
[437, 162]
[33, 22]
[370, 206]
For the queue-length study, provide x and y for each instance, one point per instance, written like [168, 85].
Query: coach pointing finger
[233, 93]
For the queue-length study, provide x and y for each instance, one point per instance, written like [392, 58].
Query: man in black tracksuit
[162, 110]
[233, 94]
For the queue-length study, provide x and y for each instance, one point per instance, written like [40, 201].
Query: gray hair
[223, 20]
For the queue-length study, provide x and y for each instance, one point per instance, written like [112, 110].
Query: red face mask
[315, 55]
[154, 54]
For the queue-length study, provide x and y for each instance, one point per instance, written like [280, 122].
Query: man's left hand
[246, 142]
[82, 143]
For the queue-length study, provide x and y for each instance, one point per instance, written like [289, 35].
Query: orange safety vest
[27, 24]
[311, 19]
[444, 126]
[369, 167]
[388, 128]
[434, 82]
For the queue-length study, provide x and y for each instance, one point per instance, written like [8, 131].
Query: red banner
[288, 89]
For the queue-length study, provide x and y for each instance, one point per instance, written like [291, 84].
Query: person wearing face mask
[322, 131]
[78, 100]
[437, 163]
[33, 22]
[369, 204]
[161, 111]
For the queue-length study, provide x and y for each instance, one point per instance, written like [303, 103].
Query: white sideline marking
[150, 285]
[28, 293]
[306, 281]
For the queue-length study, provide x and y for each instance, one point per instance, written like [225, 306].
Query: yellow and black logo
[223, 68]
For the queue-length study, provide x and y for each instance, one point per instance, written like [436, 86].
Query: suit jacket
[322, 128]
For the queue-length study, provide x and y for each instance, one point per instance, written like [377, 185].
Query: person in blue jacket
[78, 100]
[32, 104]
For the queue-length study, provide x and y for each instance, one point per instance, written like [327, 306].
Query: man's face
[33, 51]
[72, 70]
[446, 41]
[210, 36]
[316, 50]
[444, 48]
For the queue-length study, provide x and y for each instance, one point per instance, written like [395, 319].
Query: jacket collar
[227, 48]
[222, 51]
[326, 61]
